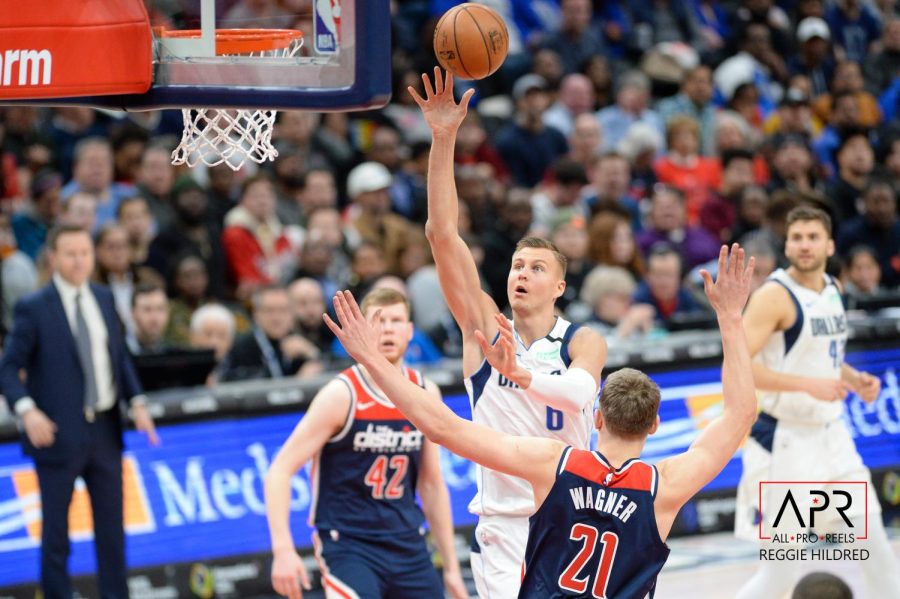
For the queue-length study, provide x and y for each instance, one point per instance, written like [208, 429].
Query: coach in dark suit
[67, 339]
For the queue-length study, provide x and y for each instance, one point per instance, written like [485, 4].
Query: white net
[215, 136]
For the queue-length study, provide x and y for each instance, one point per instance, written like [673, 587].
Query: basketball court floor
[715, 566]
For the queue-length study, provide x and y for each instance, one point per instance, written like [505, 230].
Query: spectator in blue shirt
[713, 27]
[527, 146]
[844, 116]
[632, 98]
[695, 101]
[854, 25]
[30, 225]
[662, 287]
[578, 37]
[616, 27]
[93, 174]
[814, 57]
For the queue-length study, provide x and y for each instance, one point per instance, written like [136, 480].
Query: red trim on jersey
[371, 407]
[636, 475]
[415, 376]
[327, 580]
[334, 587]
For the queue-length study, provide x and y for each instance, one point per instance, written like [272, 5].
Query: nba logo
[327, 26]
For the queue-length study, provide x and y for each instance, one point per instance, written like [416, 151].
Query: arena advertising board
[198, 497]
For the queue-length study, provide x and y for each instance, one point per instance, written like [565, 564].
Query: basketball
[471, 41]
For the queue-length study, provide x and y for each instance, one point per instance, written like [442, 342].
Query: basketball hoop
[212, 135]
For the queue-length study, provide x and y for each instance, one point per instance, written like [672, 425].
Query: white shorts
[497, 562]
[799, 452]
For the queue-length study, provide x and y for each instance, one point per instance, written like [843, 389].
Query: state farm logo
[31, 67]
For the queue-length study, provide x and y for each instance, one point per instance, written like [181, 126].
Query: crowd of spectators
[638, 136]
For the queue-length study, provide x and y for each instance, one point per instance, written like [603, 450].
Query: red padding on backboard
[74, 48]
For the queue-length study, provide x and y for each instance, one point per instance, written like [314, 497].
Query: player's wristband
[569, 392]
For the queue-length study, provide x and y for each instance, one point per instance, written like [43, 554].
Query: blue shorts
[357, 568]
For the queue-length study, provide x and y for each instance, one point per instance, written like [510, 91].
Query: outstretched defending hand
[358, 336]
[501, 354]
[731, 289]
[441, 112]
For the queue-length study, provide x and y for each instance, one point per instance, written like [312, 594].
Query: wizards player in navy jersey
[601, 517]
[368, 463]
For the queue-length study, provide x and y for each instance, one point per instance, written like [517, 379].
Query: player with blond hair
[599, 518]
[546, 387]
[369, 462]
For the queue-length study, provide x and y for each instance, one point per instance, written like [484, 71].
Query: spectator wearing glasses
[268, 351]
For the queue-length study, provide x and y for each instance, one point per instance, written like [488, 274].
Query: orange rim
[242, 41]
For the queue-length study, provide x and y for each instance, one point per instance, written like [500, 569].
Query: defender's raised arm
[683, 475]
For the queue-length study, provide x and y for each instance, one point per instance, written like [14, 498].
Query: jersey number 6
[589, 535]
[554, 419]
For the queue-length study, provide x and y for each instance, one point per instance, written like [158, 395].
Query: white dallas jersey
[813, 347]
[500, 404]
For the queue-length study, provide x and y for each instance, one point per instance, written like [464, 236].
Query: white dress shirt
[106, 392]
[122, 290]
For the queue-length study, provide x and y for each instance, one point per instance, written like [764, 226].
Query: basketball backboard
[343, 64]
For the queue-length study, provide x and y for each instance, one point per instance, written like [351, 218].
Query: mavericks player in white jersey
[797, 331]
[547, 385]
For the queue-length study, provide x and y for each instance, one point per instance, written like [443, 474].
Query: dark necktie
[85, 356]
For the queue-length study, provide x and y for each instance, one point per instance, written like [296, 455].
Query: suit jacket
[246, 361]
[41, 343]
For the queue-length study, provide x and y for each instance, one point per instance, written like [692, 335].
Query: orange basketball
[471, 41]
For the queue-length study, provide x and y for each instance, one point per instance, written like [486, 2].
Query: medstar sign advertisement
[199, 495]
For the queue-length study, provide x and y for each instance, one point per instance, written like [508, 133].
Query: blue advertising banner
[199, 495]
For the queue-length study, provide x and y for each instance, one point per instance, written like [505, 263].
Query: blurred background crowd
[637, 135]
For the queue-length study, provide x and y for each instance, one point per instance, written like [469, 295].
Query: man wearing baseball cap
[370, 216]
[527, 146]
[814, 58]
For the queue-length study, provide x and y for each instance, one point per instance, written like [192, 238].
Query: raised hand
[502, 353]
[730, 291]
[441, 112]
[358, 336]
